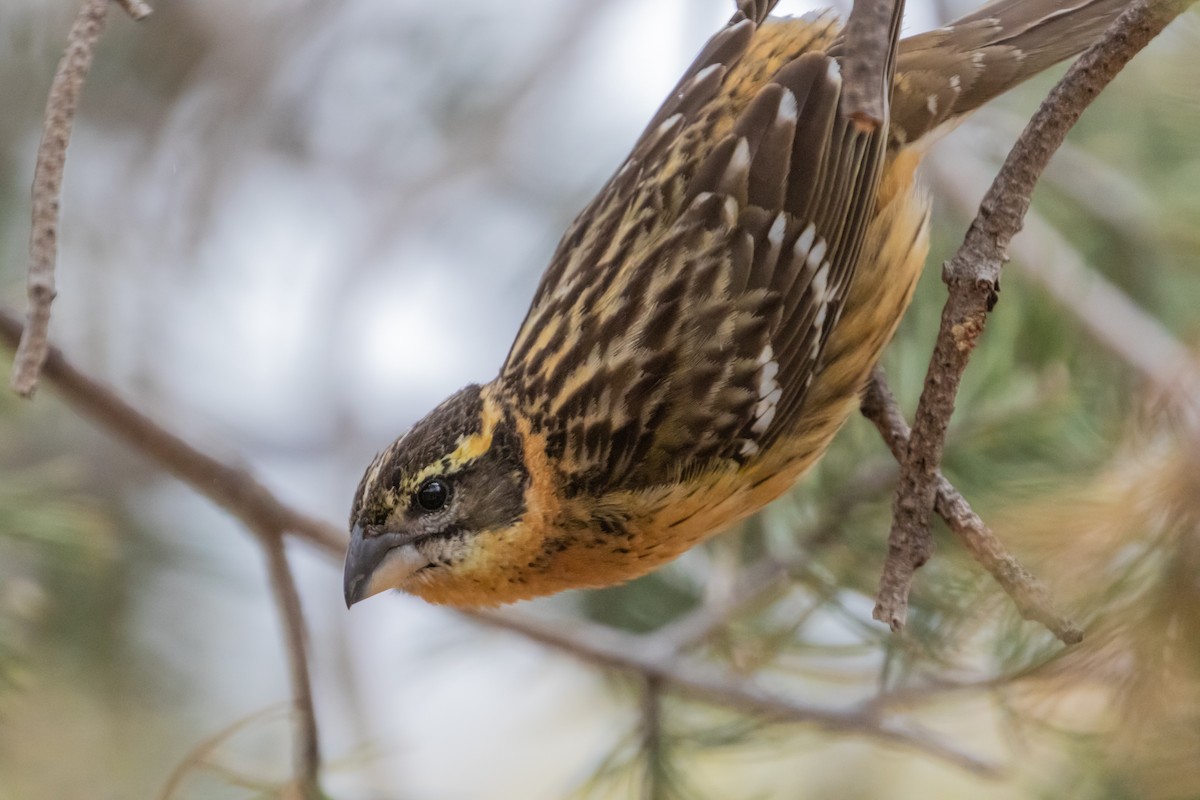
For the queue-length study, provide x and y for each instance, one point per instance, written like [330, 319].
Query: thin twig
[1106, 312]
[870, 35]
[1028, 593]
[47, 188]
[287, 598]
[202, 754]
[1105, 191]
[753, 585]
[652, 741]
[613, 649]
[973, 279]
[232, 488]
[61, 105]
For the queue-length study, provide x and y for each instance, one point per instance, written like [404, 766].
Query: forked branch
[1028, 593]
[973, 278]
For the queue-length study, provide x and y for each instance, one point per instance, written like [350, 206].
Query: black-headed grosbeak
[707, 322]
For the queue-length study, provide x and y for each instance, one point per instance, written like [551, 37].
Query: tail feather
[949, 72]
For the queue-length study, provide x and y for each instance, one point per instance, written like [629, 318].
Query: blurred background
[290, 227]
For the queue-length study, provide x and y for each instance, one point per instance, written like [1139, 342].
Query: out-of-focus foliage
[292, 226]
[53, 534]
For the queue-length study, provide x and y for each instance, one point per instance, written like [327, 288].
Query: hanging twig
[61, 105]
[1028, 593]
[973, 277]
[47, 188]
[652, 740]
[308, 748]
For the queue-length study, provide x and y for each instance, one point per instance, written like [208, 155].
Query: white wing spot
[769, 392]
[822, 312]
[787, 112]
[955, 82]
[668, 125]
[765, 411]
[805, 242]
[768, 369]
[932, 105]
[730, 209]
[835, 72]
[816, 254]
[768, 403]
[704, 73]
[820, 283]
[739, 162]
[767, 418]
[775, 235]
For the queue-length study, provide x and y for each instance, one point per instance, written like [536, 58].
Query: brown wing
[643, 198]
[685, 312]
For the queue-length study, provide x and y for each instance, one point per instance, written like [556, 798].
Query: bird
[706, 324]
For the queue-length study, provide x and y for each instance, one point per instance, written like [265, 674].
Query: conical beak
[378, 561]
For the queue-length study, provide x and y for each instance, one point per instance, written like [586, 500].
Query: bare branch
[203, 754]
[232, 488]
[606, 647]
[308, 748]
[1105, 311]
[1101, 188]
[61, 105]
[870, 33]
[47, 189]
[1027, 592]
[753, 585]
[652, 738]
[973, 279]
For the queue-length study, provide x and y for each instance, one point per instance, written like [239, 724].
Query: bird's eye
[433, 494]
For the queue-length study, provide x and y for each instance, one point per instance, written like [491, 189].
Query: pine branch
[973, 279]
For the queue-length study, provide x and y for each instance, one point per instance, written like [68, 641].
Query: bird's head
[436, 512]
